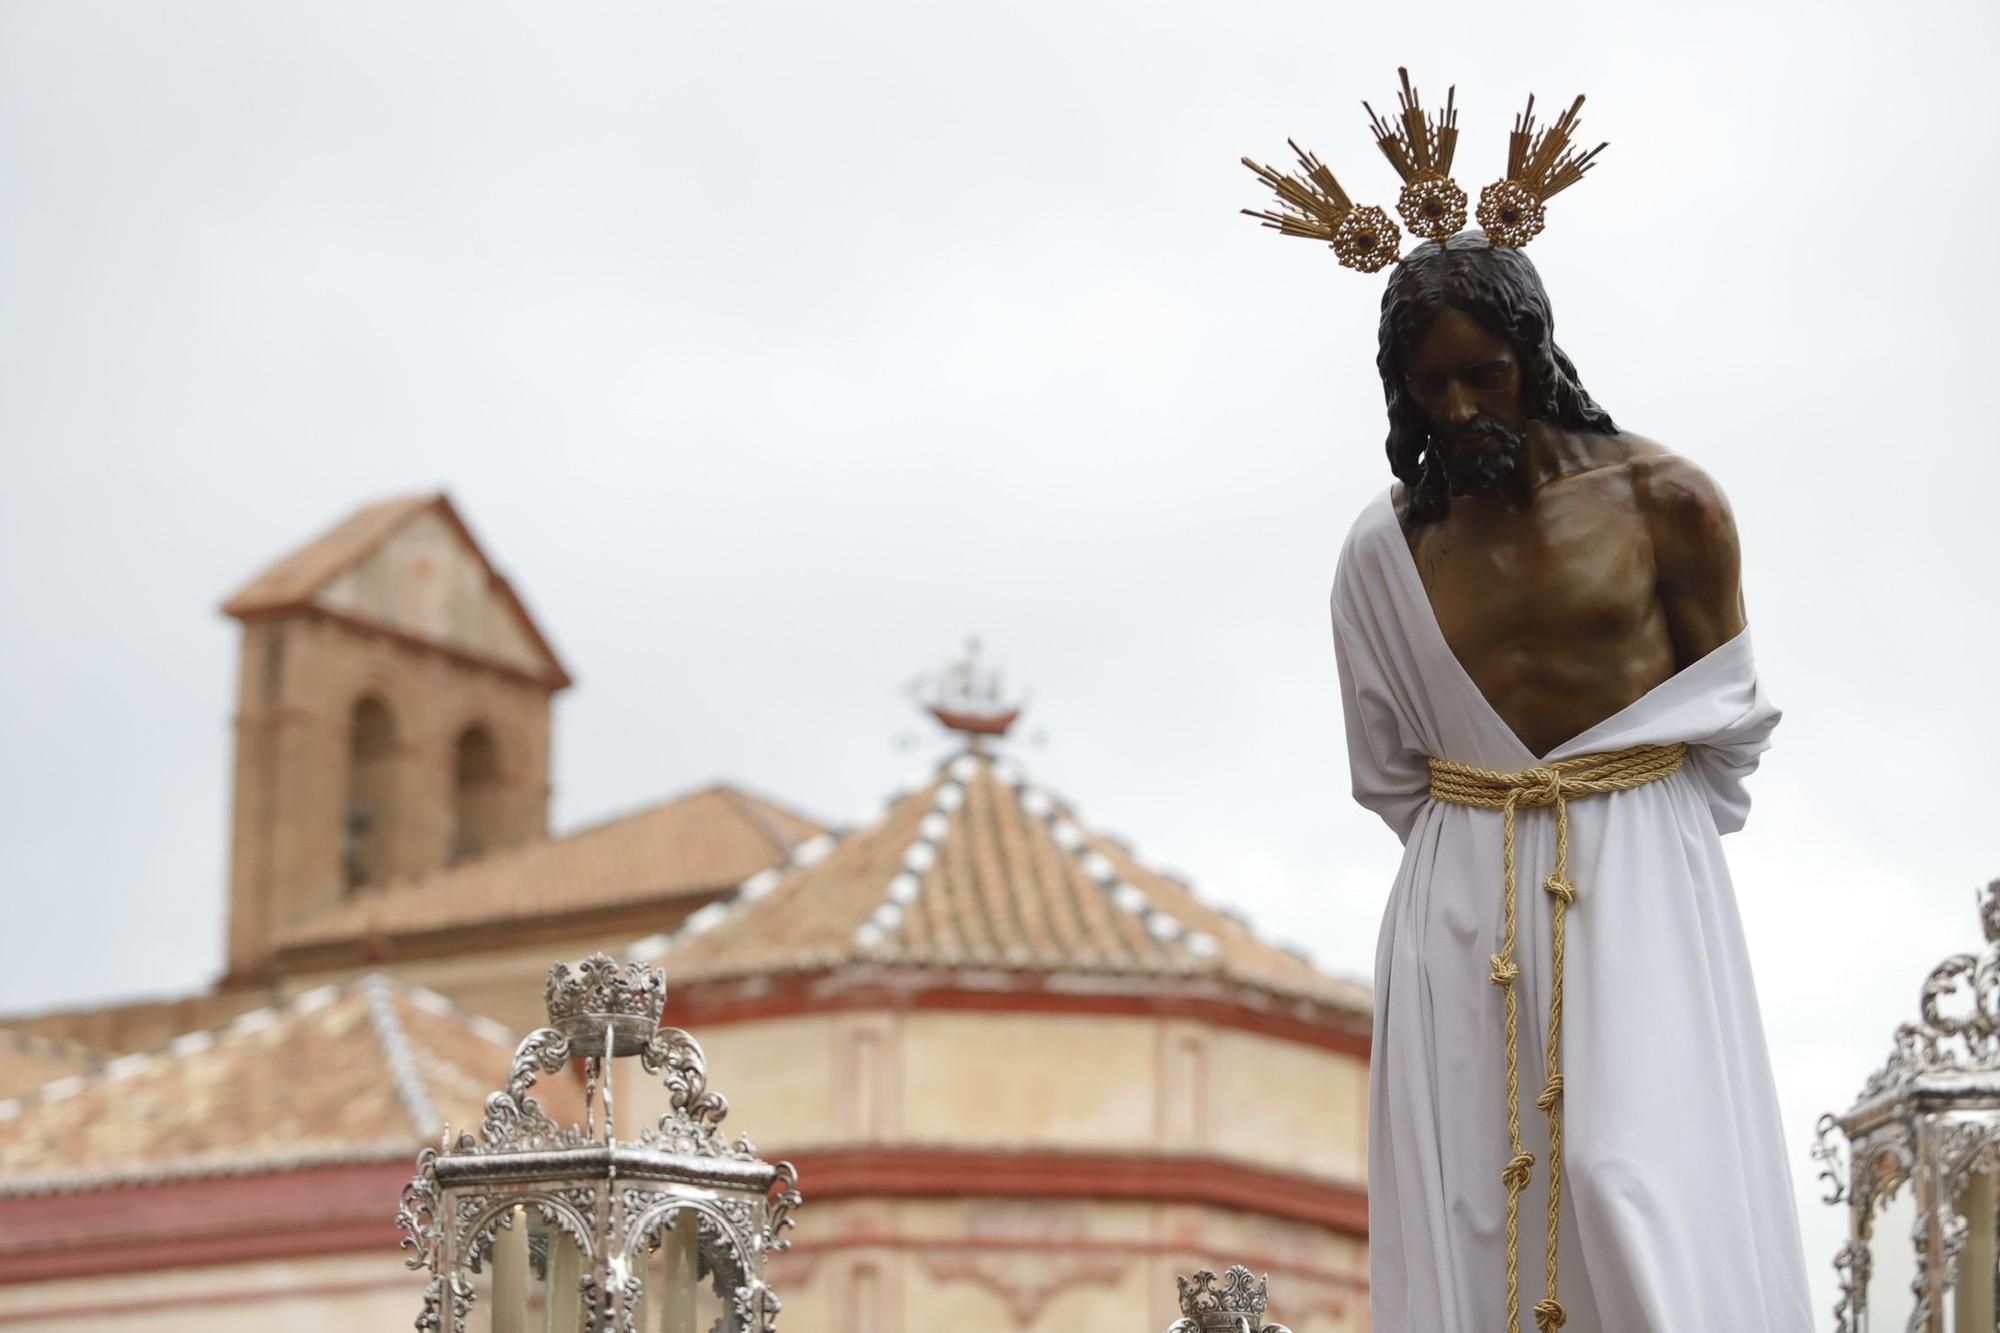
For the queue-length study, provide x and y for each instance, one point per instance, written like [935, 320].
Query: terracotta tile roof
[981, 868]
[297, 575]
[366, 1071]
[135, 1025]
[28, 1061]
[700, 843]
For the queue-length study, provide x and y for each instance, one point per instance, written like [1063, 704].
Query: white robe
[1677, 1209]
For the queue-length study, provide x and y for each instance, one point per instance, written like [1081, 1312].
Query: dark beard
[1482, 471]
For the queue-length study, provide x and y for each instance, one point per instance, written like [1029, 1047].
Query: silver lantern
[570, 1229]
[1921, 1154]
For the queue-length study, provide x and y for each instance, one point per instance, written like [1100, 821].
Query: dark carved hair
[1498, 287]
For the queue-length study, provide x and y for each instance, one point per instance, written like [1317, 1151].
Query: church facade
[1026, 1077]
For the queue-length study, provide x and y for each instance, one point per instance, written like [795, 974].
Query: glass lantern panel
[1971, 1303]
[1892, 1249]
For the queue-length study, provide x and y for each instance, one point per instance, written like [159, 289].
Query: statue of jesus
[1549, 695]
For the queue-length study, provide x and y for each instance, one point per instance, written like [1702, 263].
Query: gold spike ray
[1314, 205]
[1418, 147]
[1544, 161]
[1432, 204]
[1540, 165]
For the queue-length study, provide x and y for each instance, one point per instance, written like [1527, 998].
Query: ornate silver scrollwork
[778, 1219]
[1236, 1305]
[677, 1058]
[514, 1119]
[433, 1316]
[1959, 1007]
[628, 1302]
[757, 1306]
[1851, 1269]
[605, 1192]
[605, 1009]
[1830, 1156]
[416, 1213]
[1928, 1119]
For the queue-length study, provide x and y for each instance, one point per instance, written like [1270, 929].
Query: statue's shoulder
[1671, 488]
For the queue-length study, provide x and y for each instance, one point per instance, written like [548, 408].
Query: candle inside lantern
[680, 1251]
[565, 1284]
[1973, 1297]
[510, 1275]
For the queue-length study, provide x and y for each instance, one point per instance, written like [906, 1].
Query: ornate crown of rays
[1541, 163]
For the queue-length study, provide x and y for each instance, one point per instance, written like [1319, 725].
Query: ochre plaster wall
[1279, 1101]
[331, 1294]
[1013, 1080]
[1050, 1266]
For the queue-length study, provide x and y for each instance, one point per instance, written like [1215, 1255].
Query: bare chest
[1576, 576]
[1554, 614]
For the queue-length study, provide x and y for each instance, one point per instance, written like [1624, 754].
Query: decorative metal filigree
[1510, 213]
[677, 1058]
[416, 1214]
[778, 1220]
[1236, 1306]
[757, 1306]
[597, 1000]
[611, 1196]
[433, 1316]
[628, 1303]
[514, 1120]
[1927, 1120]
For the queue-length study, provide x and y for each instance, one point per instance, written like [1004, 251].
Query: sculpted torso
[1615, 572]
[1598, 568]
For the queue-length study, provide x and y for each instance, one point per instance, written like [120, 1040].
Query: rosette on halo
[1312, 204]
[1540, 165]
[1420, 149]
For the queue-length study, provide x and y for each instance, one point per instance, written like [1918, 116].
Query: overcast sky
[773, 350]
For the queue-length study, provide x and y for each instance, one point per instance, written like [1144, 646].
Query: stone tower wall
[301, 677]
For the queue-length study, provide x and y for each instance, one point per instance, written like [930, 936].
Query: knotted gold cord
[1553, 784]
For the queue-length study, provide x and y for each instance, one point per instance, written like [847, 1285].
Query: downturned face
[1465, 381]
[1460, 372]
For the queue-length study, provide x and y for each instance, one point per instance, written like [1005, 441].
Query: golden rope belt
[1553, 784]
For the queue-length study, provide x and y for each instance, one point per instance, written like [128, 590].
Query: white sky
[773, 350]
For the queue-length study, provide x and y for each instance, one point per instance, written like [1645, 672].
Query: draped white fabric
[1677, 1208]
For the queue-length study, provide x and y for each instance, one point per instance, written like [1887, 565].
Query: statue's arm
[1697, 556]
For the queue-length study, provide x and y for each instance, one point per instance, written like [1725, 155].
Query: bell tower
[392, 718]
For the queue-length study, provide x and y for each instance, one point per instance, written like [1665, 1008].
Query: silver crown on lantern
[598, 1004]
[1235, 1306]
